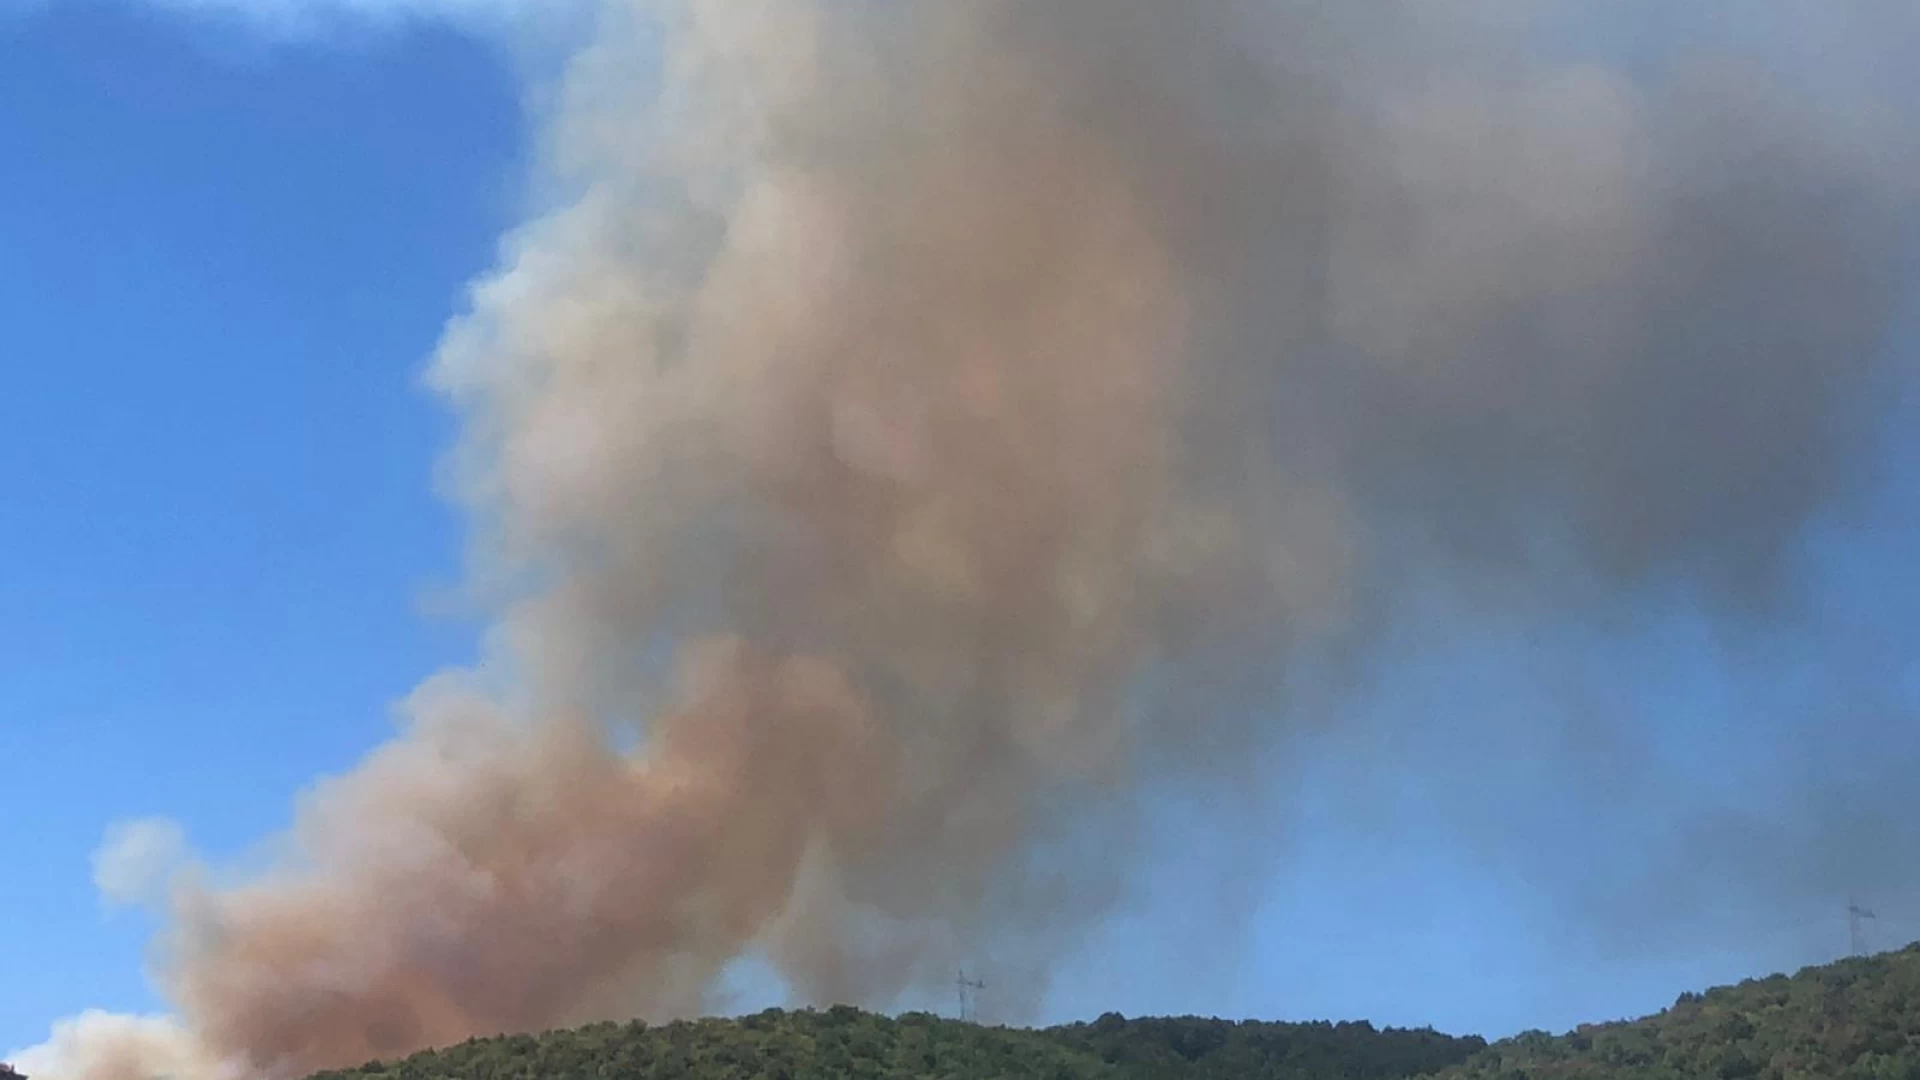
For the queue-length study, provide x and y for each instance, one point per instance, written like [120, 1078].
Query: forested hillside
[846, 1044]
[1855, 1020]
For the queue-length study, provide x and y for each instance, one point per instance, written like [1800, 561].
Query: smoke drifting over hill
[975, 406]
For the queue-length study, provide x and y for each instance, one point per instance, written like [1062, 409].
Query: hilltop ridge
[843, 1043]
[1858, 1019]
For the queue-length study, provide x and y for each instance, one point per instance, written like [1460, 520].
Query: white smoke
[139, 860]
[105, 1046]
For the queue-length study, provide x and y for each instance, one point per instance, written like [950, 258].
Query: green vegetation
[1855, 1020]
[1189, 1048]
[846, 1044]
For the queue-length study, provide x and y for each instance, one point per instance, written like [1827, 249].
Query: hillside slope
[1855, 1020]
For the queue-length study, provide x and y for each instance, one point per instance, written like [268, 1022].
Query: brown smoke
[975, 400]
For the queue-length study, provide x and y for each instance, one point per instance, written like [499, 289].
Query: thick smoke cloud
[969, 411]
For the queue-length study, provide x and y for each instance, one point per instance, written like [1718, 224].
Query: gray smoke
[924, 430]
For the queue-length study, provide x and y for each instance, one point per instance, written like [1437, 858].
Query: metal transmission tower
[969, 995]
[1857, 918]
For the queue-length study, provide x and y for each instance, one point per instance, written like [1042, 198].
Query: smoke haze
[924, 431]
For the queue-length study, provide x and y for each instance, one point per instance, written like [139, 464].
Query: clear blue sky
[222, 265]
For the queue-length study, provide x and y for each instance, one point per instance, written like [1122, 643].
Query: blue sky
[221, 268]
[223, 263]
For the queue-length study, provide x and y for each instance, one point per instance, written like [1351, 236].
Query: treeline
[1855, 1020]
[847, 1044]
[1189, 1048]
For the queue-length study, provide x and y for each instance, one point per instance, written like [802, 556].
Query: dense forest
[1855, 1020]
[846, 1044]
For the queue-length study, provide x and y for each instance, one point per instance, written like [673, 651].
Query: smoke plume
[923, 430]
